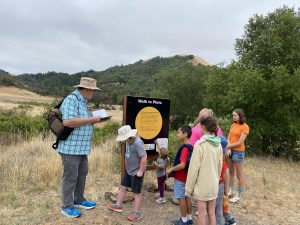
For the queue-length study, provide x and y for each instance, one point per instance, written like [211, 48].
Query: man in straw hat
[135, 163]
[75, 149]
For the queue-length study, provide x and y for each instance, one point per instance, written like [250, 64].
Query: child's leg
[219, 205]
[240, 175]
[232, 173]
[189, 205]
[211, 205]
[201, 212]
[183, 207]
[122, 194]
[161, 185]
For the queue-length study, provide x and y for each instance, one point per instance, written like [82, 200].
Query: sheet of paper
[162, 142]
[101, 112]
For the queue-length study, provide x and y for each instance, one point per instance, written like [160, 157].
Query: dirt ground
[153, 213]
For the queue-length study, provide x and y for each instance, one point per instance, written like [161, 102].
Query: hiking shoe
[230, 222]
[85, 205]
[161, 200]
[234, 199]
[134, 216]
[115, 207]
[71, 212]
[179, 222]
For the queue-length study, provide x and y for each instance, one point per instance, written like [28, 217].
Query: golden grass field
[30, 177]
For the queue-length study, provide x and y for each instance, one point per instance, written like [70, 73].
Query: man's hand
[140, 173]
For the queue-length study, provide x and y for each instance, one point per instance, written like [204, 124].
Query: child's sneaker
[85, 205]
[179, 222]
[115, 208]
[134, 216]
[230, 193]
[161, 200]
[230, 222]
[157, 195]
[235, 198]
[71, 212]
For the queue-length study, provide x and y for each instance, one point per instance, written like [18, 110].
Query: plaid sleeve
[69, 108]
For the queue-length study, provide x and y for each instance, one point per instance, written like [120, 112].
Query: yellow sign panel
[148, 122]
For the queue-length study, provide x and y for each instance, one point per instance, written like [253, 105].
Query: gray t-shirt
[162, 162]
[133, 155]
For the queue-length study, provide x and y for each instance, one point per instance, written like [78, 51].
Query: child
[205, 170]
[222, 208]
[160, 166]
[180, 169]
[229, 219]
[135, 163]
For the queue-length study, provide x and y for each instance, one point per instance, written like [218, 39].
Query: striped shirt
[79, 141]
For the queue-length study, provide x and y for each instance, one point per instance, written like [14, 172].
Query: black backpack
[55, 124]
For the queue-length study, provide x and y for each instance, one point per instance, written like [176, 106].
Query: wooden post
[123, 146]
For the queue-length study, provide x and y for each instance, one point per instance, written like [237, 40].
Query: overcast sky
[78, 35]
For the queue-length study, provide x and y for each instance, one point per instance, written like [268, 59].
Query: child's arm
[157, 165]
[194, 168]
[142, 166]
[178, 167]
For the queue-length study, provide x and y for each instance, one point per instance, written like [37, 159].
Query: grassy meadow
[30, 179]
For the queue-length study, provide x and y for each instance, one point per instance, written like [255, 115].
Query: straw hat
[88, 83]
[126, 132]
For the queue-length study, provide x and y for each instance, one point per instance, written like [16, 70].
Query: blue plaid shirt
[79, 141]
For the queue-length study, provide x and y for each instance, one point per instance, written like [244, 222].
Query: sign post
[150, 116]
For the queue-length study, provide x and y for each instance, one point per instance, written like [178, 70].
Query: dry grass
[13, 98]
[30, 176]
[272, 191]
[13, 94]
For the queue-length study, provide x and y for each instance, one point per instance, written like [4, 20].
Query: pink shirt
[197, 134]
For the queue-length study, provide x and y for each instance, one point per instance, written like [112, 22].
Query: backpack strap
[55, 144]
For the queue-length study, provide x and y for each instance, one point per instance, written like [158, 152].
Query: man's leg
[69, 178]
[80, 185]
[122, 195]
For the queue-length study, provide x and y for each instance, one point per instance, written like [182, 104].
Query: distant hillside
[6, 79]
[133, 79]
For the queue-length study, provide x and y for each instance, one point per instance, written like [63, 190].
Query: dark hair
[241, 114]
[210, 124]
[186, 129]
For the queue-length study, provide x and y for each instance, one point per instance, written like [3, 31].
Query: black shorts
[134, 182]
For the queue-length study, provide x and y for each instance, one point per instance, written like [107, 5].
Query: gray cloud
[77, 35]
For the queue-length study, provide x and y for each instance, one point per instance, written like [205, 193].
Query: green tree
[185, 87]
[270, 41]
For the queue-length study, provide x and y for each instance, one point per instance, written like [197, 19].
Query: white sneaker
[157, 195]
[161, 200]
[230, 193]
[234, 199]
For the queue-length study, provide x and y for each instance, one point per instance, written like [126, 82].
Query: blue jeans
[219, 205]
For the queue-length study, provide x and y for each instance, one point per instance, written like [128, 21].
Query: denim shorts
[237, 156]
[179, 189]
